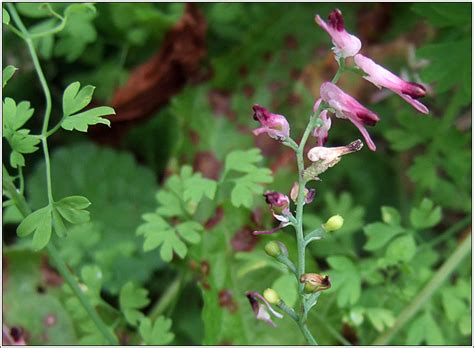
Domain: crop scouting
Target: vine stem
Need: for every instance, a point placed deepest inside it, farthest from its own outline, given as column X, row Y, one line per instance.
column 301, row 244
column 425, row 294
column 24, row 207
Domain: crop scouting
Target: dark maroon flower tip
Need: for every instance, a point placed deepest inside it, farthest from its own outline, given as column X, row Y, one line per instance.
column 259, row 113
column 272, row 198
column 336, row 20
column 414, row 90
column 368, row 118
column 355, row 145
column 326, row 282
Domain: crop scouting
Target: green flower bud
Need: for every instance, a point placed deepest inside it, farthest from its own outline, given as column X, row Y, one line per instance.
column 334, row 223
column 272, row 249
column 271, row 296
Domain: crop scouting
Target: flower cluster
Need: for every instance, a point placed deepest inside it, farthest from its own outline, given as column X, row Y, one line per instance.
column 332, row 101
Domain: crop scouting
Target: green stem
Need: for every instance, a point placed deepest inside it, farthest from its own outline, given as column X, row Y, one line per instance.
column 307, row 334
column 61, row 267
column 425, row 294
column 450, row 231
column 167, row 298
column 333, row 331
column 23, row 206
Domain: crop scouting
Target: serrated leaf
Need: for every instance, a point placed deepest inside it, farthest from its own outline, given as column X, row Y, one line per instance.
column 10, row 69
column 426, row 215
column 76, row 98
column 379, row 234
column 72, row 209
column 157, row 333
column 23, row 142
column 131, row 299
column 83, row 120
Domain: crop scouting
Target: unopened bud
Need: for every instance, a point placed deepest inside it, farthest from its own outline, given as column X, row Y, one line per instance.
column 271, row 296
column 272, row 249
column 334, row 223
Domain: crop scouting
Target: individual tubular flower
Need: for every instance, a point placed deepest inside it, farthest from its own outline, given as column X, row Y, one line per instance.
column 324, row 158
column 280, row 206
column 262, row 308
column 321, row 133
column 315, row 282
column 347, row 107
column 308, row 193
column 381, row 77
column 276, row 126
column 345, row 44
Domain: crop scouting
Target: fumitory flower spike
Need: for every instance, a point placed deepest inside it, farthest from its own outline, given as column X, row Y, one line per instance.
column 262, row 308
column 276, row 126
column 345, row 44
column 381, row 77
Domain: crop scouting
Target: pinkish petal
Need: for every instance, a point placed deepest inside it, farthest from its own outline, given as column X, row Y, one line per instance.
column 365, row 134
column 415, row 103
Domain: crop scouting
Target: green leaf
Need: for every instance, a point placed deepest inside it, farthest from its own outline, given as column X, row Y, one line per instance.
column 15, row 116
column 92, row 277
column 287, row 288
column 72, row 209
column 33, row 221
column 10, row 69
column 83, row 120
column 391, row 216
column 189, row 231
column 42, row 231
column 401, row 249
column 249, row 185
column 416, row 331
column 58, row 224
column 453, row 306
column 22, row 142
column 170, row 204
column 197, row 187
column 379, row 234
column 426, row 215
column 433, row 333
column 345, row 278
column 380, row 318
column 76, row 98
column 157, row 333
column 131, row 299
column 242, row 161
column 17, row 159
column 5, row 20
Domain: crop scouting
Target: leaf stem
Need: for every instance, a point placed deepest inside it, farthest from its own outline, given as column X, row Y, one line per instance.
column 425, row 294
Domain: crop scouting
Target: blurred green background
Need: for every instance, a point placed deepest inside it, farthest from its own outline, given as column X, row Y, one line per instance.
column 182, row 79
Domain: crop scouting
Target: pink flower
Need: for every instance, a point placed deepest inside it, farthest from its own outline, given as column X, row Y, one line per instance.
column 262, row 308
column 276, row 126
column 381, row 77
column 345, row 44
column 321, row 133
column 332, row 155
column 347, row 107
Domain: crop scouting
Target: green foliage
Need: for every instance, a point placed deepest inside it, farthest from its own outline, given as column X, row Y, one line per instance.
column 426, row 215
column 131, row 299
column 246, row 186
column 76, row 99
column 9, row 70
column 38, row 222
column 346, row 278
column 156, row 333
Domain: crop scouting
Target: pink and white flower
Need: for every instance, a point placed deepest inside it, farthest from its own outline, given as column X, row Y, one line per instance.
column 280, row 206
column 308, row 193
column 276, row 126
column 381, row 77
column 345, row 106
column 345, row 44
column 262, row 308
column 321, row 133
